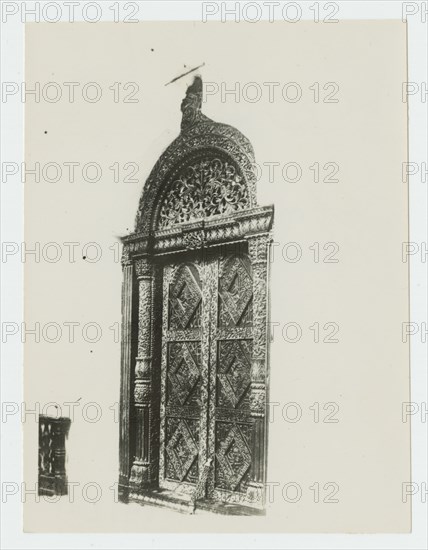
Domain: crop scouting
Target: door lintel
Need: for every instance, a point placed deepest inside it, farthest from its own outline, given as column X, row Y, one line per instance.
column 201, row 234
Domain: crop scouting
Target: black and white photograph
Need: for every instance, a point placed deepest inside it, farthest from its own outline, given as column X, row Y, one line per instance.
column 214, row 268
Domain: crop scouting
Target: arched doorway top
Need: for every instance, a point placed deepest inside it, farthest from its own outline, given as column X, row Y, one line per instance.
column 207, row 171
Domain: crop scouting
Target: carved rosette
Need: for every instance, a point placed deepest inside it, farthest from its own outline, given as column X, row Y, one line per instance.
column 193, row 240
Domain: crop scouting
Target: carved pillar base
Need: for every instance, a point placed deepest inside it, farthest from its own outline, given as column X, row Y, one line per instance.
column 142, row 468
column 140, row 476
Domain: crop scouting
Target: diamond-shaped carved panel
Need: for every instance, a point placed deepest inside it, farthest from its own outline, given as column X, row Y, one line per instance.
column 235, row 290
column 233, row 456
column 233, row 373
column 185, row 298
column 183, row 373
column 182, row 449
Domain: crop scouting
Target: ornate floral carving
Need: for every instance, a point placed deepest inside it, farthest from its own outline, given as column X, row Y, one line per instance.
column 205, row 188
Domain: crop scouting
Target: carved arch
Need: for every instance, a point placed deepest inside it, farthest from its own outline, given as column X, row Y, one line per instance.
column 220, row 139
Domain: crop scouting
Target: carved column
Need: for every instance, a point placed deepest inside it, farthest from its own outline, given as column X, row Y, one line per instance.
column 125, row 377
column 142, row 468
column 258, row 248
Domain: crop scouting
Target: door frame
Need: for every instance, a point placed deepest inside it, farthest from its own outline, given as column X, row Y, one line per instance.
column 141, row 346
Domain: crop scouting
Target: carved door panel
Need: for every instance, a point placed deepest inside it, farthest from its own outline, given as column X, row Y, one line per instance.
column 181, row 378
column 206, row 376
column 230, row 428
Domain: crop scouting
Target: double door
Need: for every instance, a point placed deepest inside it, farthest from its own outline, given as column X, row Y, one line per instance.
column 206, row 429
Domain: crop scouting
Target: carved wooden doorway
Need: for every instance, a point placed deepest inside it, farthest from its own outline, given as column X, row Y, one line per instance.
column 206, row 423
column 194, row 361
